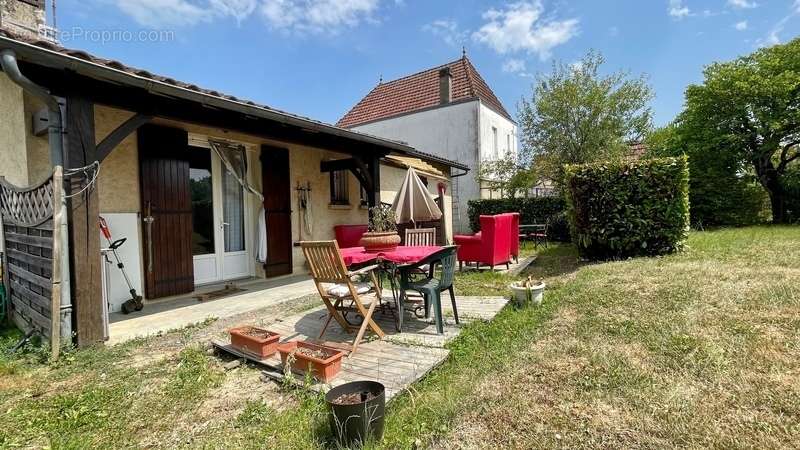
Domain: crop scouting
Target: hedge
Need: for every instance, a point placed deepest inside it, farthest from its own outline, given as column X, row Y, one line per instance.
column 531, row 211
column 628, row 208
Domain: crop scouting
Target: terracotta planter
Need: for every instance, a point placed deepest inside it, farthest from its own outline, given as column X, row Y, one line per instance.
column 256, row 341
column 323, row 365
column 375, row 242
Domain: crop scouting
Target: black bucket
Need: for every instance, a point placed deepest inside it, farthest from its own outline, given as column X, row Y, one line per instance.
column 360, row 422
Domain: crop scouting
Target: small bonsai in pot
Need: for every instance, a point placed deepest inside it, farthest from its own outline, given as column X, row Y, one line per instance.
column 382, row 233
column 528, row 292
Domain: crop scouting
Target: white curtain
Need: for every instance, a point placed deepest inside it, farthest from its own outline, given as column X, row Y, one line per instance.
column 234, row 158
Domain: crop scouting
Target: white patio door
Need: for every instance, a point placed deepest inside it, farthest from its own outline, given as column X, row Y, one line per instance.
column 220, row 244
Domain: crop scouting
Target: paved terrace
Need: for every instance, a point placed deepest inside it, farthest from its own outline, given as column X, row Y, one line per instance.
column 397, row 360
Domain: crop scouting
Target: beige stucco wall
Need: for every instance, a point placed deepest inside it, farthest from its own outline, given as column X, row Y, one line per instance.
column 38, row 147
column 392, row 178
column 13, row 157
column 118, row 183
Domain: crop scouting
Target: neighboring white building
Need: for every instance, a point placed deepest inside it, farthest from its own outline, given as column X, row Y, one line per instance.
column 448, row 111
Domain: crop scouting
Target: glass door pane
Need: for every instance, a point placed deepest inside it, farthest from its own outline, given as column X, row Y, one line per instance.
column 201, row 187
column 232, row 212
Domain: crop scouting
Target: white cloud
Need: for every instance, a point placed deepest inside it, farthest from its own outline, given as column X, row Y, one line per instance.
column 160, row 13
column 741, row 26
column 238, row 9
column 514, row 65
column 448, row 30
column 773, row 37
column 677, row 9
column 743, row 4
column 318, row 16
column 520, row 27
column 293, row 15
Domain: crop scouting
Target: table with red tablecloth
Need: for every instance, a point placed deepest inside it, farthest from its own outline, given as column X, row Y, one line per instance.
column 388, row 261
column 401, row 255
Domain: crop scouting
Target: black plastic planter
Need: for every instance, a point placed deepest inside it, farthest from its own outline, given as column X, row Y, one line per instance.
column 354, row 424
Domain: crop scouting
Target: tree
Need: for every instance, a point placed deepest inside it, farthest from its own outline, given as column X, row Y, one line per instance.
column 507, row 175
column 749, row 110
column 578, row 115
column 722, row 191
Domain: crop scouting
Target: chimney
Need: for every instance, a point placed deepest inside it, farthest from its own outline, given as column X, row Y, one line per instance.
column 445, row 86
column 23, row 17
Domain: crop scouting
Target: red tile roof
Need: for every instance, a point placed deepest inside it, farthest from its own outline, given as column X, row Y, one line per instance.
column 420, row 91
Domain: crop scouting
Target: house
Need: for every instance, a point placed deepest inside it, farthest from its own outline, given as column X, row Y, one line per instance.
column 448, row 111
column 189, row 176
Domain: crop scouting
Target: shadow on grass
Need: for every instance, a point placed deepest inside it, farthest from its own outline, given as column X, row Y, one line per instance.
column 553, row 261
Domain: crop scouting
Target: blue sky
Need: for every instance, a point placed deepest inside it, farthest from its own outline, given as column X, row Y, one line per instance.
column 319, row 57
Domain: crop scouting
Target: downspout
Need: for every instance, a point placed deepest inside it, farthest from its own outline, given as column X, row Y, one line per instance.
column 55, row 129
column 8, row 62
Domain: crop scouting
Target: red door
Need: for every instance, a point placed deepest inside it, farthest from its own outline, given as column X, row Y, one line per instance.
column 278, row 211
column 166, row 211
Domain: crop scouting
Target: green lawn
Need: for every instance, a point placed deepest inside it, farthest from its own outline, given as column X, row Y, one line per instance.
column 693, row 350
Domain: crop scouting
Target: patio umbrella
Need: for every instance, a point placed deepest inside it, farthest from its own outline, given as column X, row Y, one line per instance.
column 413, row 202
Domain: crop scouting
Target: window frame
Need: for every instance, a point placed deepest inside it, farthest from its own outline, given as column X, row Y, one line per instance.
column 339, row 198
column 495, row 144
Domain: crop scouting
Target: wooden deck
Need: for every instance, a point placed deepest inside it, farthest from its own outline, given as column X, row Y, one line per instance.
column 397, row 360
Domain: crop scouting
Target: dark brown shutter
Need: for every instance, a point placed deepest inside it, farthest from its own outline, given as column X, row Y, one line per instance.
column 278, row 210
column 166, row 198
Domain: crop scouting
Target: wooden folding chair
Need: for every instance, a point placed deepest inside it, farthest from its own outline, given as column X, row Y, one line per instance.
column 420, row 237
column 335, row 285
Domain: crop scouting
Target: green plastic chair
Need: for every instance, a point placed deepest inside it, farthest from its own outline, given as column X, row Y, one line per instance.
column 431, row 288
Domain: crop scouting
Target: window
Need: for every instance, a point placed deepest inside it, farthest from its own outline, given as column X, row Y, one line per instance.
column 362, row 195
column 495, row 147
column 508, row 143
column 339, row 194
column 202, row 201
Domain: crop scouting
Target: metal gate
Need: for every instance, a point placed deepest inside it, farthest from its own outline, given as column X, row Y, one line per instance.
column 32, row 251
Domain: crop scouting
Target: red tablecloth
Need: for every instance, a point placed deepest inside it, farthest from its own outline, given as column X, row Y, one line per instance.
column 401, row 255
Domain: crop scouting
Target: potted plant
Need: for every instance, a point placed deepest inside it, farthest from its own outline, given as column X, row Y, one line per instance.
column 528, row 292
column 357, row 412
column 382, row 233
column 257, row 341
column 323, row 363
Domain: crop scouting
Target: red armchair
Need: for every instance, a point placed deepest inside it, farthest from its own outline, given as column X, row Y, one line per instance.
column 349, row 235
column 491, row 246
column 514, row 235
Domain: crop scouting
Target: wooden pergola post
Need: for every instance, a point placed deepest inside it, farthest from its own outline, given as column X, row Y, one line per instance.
column 83, row 211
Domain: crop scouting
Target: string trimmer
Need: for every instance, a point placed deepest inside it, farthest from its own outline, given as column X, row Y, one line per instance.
column 135, row 302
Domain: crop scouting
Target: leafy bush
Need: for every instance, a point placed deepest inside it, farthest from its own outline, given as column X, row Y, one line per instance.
column 531, row 210
column 558, row 227
column 628, row 208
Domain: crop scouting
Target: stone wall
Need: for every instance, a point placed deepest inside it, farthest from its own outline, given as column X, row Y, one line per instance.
column 22, row 17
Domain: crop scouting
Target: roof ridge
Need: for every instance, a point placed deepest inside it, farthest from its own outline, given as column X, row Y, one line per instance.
column 430, row 69
column 465, row 62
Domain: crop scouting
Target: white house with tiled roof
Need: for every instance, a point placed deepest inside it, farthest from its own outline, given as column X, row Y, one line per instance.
column 448, row 111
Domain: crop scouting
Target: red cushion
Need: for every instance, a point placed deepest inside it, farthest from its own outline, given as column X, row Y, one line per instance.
column 349, row 235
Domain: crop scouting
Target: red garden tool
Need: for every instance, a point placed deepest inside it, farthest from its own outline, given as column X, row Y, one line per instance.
column 135, row 302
